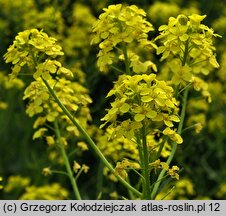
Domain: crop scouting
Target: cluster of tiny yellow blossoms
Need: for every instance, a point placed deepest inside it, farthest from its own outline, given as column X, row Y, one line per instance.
column 172, row 172
column 48, row 110
column 52, row 191
column 125, row 164
column 142, row 102
column 180, row 190
column 188, row 44
column 15, row 182
column 77, row 168
column 30, row 192
column 29, row 49
column 38, row 52
column 7, row 84
column 187, row 34
column 117, row 28
column 116, row 149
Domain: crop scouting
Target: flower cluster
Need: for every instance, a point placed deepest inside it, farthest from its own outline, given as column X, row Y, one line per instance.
column 52, row 191
column 17, row 181
column 142, row 101
column 41, row 103
column 119, row 149
column 122, row 166
column 172, row 172
column 30, row 192
column 181, row 190
column 118, row 27
column 29, row 49
column 37, row 51
column 187, row 34
column 189, row 45
column 6, row 84
column 116, row 149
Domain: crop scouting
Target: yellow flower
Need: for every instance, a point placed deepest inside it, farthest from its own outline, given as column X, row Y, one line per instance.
column 173, row 135
column 124, row 165
column 28, row 48
column 114, row 195
column 76, row 167
column 1, row 187
column 74, row 96
column 196, row 19
column 156, row 164
column 118, row 26
column 200, row 85
column 188, row 46
column 198, row 127
column 83, row 146
column 50, row 140
column 85, row 168
column 173, row 172
column 142, row 100
column 14, row 182
column 46, row 171
column 53, row 191
column 118, row 148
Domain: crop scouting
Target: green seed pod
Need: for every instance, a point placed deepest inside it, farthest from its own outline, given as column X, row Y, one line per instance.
column 182, row 19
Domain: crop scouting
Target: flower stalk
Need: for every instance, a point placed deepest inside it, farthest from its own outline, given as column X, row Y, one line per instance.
column 89, row 140
column 174, row 148
column 66, row 162
column 146, row 170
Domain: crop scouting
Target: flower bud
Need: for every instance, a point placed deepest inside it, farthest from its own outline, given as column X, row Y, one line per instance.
column 182, row 19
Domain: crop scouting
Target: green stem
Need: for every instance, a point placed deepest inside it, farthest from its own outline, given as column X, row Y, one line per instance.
column 174, row 148
column 66, row 162
column 89, row 140
column 99, row 186
column 117, row 69
column 180, row 126
column 139, row 145
column 78, row 174
column 59, row 172
column 188, row 128
column 160, row 149
column 146, row 170
column 186, row 50
column 168, row 193
column 131, row 195
column 127, row 62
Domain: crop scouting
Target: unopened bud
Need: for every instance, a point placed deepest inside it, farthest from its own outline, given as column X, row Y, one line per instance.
column 182, row 19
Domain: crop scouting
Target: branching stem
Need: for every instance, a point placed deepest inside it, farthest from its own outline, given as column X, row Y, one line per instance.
column 90, row 141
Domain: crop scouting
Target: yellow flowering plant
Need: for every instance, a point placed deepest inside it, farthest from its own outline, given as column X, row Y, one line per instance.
column 143, row 105
column 22, row 188
column 117, row 31
column 144, row 122
column 35, row 53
